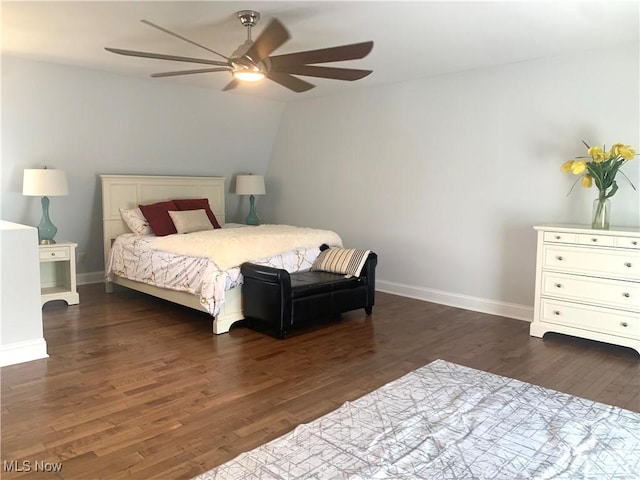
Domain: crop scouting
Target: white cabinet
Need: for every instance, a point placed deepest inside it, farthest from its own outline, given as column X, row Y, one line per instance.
column 58, row 273
column 21, row 337
column 588, row 284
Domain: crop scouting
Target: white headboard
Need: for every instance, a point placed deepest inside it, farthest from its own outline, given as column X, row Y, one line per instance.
column 129, row 191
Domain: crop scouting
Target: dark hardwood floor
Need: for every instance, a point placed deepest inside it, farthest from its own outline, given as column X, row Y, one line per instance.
column 136, row 387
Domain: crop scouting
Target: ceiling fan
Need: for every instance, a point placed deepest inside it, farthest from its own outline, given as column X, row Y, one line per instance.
column 251, row 61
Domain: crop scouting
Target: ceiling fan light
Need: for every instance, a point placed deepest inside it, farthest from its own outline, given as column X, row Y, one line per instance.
column 247, row 75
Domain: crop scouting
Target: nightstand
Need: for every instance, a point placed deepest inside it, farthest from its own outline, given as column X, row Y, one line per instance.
column 58, row 273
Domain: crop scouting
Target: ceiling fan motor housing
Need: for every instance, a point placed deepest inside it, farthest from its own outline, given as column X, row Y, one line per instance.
column 244, row 67
column 248, row 18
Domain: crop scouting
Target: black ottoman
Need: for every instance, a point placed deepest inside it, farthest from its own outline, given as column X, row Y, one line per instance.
column 279, row 300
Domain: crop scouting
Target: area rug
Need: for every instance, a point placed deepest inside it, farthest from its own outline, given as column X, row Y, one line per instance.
column 445, row 421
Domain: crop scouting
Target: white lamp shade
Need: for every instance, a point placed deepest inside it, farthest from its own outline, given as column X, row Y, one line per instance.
column 44, row 182
column 250, row 185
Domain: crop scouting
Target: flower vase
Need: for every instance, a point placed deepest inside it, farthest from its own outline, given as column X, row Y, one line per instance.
column 601, row 214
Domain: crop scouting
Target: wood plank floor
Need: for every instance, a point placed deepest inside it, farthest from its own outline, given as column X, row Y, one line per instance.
column 139, row 388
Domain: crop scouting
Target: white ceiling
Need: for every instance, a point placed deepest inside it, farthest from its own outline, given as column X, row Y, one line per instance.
column 411, row 39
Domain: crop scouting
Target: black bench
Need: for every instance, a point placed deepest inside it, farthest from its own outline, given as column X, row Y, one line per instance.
column 279, row 300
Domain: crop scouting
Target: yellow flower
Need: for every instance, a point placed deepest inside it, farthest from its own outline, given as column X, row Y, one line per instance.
column 615, row 149
column 600, row 168
column 596, row 153
column 566, row 166
column 625, row 151
column 578, row 167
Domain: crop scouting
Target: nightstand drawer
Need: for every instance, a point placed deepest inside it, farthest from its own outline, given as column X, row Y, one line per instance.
column 53, row 254
column 615, row 322
column 605, row 263
column 611, row 293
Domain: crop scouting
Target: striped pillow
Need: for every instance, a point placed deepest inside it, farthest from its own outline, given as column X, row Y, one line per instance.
column 348, row 261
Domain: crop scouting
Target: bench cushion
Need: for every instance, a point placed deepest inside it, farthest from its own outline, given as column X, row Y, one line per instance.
column 312, row 283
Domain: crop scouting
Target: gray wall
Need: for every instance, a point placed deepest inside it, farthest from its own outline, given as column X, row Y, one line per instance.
column 87, row 123
column 445, row 177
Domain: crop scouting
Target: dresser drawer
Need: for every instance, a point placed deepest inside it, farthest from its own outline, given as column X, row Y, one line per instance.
column 595, row 319
column 559, row 237
column 607, row 263
column 608, row 293
column 53, row 254
column 628, row 242
column 597, row 240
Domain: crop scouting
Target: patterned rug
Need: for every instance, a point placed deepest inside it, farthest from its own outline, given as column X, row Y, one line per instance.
column 446, row 421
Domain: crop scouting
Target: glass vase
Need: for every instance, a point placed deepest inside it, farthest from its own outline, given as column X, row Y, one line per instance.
column 601, row 214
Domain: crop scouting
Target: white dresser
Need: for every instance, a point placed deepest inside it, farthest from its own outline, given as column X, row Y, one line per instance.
column 588, row 284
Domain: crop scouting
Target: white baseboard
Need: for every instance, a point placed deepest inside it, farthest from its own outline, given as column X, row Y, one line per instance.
column 493, row 307
column 90, row 277
column 477, row 304
column 19, row 352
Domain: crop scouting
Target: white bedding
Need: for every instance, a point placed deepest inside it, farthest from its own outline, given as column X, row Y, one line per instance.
column 133, row 257
column 231, row 247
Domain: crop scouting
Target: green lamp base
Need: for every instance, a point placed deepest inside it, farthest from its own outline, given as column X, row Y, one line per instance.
column 252, row 218
column 46, row 229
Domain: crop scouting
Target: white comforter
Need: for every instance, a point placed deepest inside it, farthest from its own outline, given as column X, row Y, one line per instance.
column 134, row 257
column 232, row 247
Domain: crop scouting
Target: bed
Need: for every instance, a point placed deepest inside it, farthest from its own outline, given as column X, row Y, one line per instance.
column 129, row 191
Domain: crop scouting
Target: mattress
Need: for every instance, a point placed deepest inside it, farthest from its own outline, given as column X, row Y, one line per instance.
column 132, row 257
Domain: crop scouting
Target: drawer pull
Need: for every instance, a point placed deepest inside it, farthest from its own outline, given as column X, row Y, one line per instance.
column 594, row 239
column 558, row 237
column 556, row 312
column 626, row 295
column 558, row 285
column 634, row 242
column 53, row 254
column 560, row 258
column 624, row 324
column 628, row 264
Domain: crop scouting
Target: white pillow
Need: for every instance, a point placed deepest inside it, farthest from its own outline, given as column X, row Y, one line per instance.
column 135, row 220
column 187, row 221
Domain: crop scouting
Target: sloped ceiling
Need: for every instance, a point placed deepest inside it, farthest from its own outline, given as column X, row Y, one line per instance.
column 412, row 39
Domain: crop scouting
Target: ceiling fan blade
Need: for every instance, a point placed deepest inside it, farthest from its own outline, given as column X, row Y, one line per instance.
column 353, row 51
column 189, row 72
column 231, row 85
column 161, row 56
column 290, row 82
column 349, row 74
column 162, row 29
column 271, row 38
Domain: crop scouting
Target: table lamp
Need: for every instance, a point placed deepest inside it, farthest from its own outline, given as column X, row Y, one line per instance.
column 45, row 183
column 250, row 185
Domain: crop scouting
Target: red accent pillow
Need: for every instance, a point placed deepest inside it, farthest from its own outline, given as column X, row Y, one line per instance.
column 157, row 214
column 198, row 204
